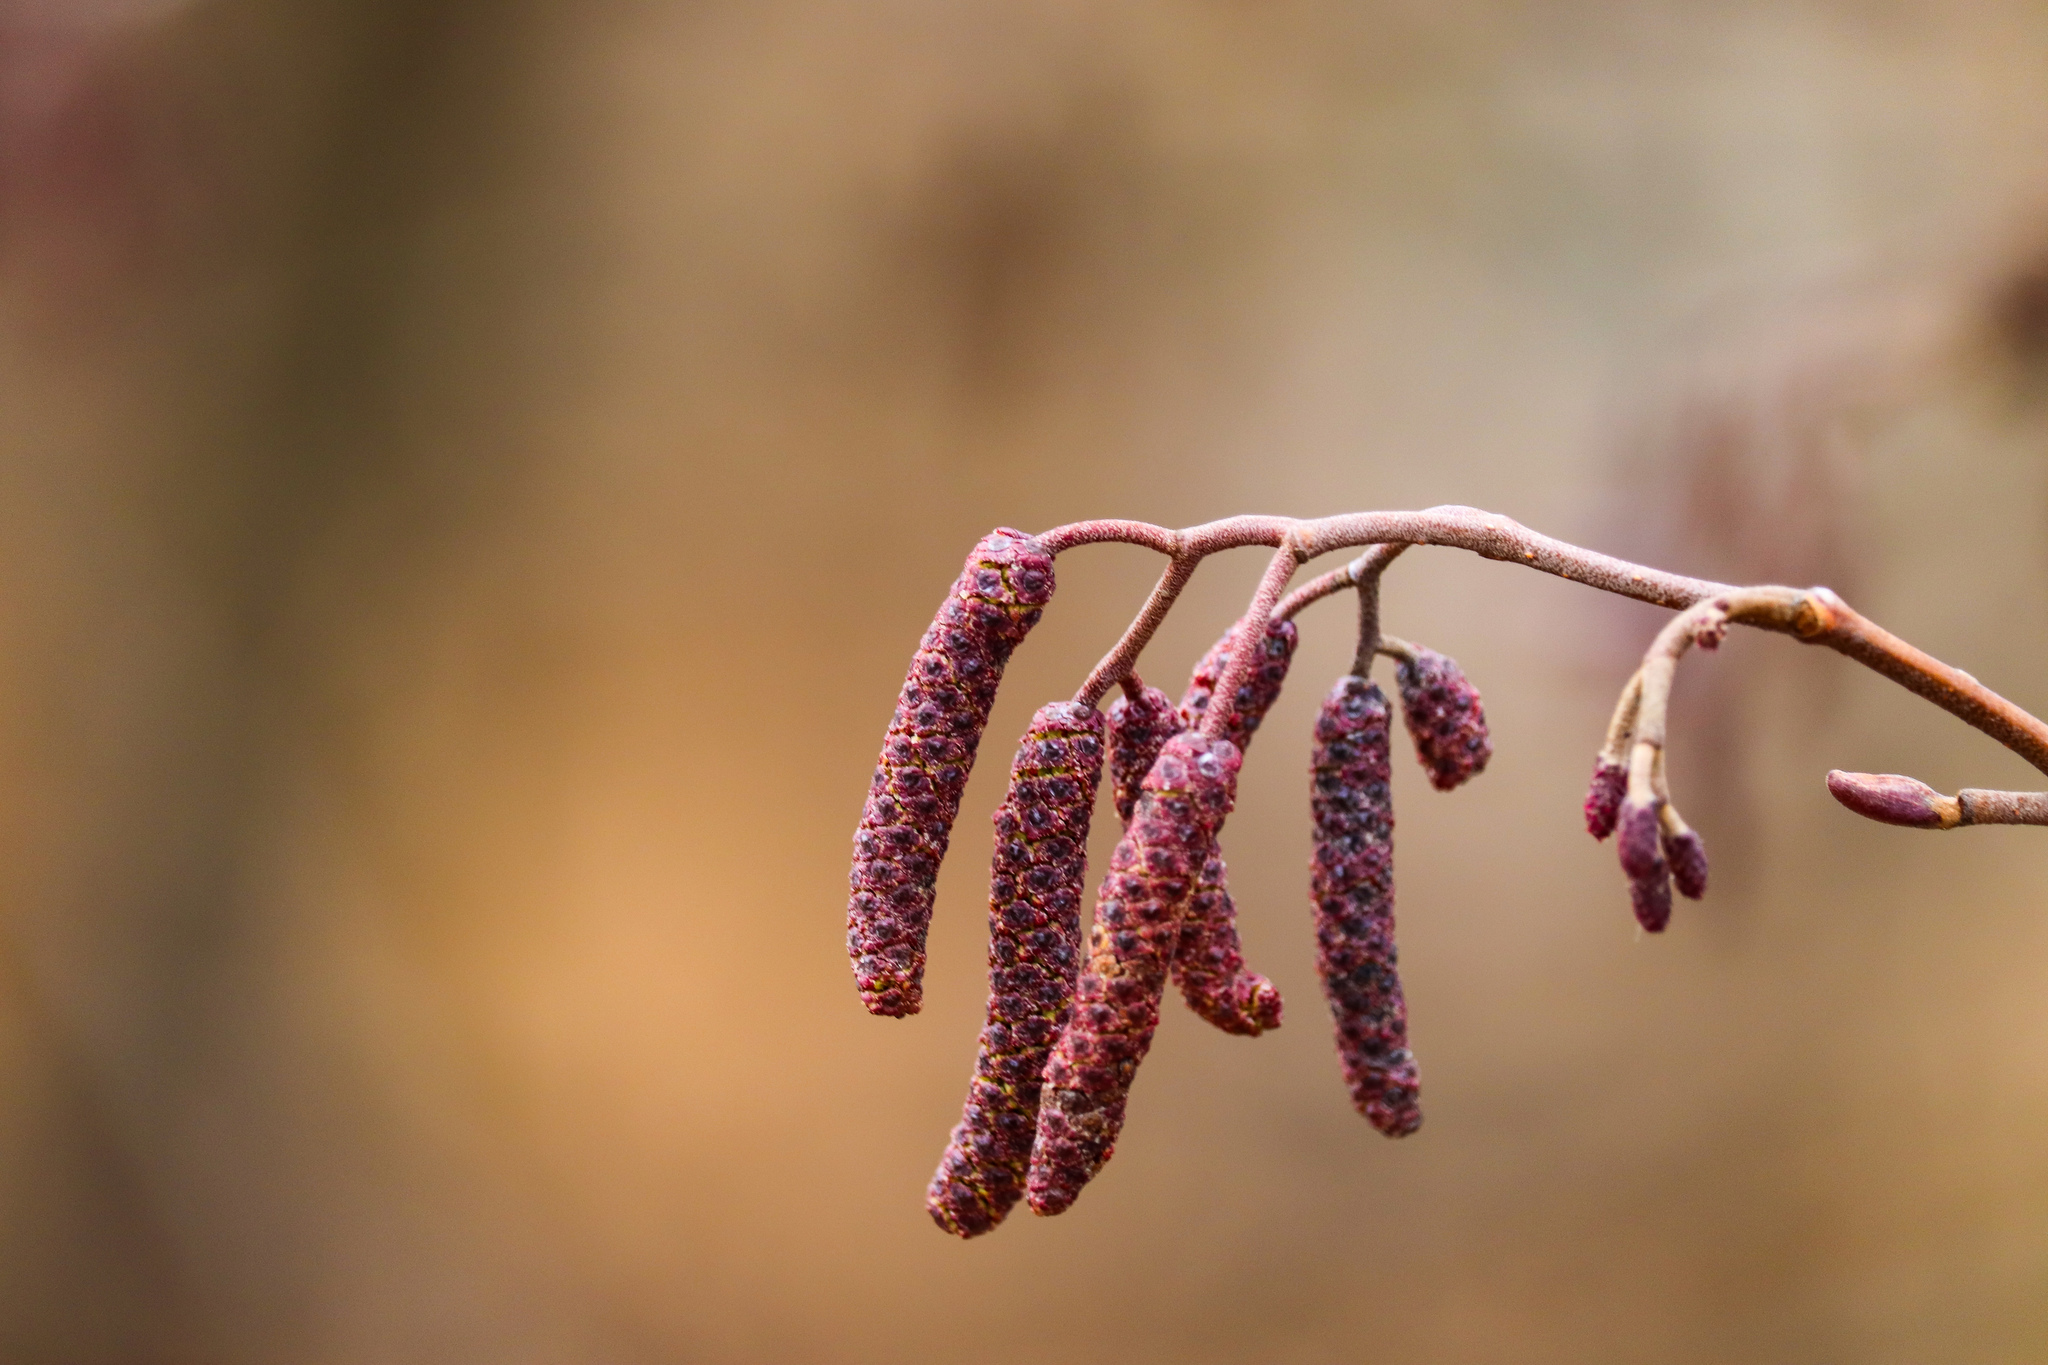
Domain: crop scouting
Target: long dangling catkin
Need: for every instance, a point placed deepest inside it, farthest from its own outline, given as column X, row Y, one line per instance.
column 1209, row 966
column 925, row 760
column 1034, row 915
column 1137, row 925
column 1260, row 688
column 1352, row 881
column 1444, row 717
column 1139, row 727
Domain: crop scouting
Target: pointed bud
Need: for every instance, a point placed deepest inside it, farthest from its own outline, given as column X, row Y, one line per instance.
column 1895, row 800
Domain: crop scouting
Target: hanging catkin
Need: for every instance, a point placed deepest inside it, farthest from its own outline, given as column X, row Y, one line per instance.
column 1209, row 963
column 1444, row 717
column 1352, row 880
column 1642, row 859
column 1137, row 925
column 1139, row 726
column 925, row 760
column 1255, row 696
column 1603, row 796
column 1034, row 914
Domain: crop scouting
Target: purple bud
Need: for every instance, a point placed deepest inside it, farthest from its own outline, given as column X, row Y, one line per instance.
column 1890, row 798
column 1687, row 854
column 1642, row 858
column 1640, row 840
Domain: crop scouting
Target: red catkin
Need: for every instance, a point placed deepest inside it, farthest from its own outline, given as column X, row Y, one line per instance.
column 1642, row 858
column 1139, row 727
column 1209, row 964
column 1138, row 916
column 1444, row 717
column 925, row 760
column 1686, row 852
column 1603, row 797
column 1034, row 914
column 1259, row 690
column 1352, row 884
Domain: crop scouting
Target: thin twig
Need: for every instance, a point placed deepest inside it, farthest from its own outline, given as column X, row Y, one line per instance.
column 1119, row 661
column 1814, row 615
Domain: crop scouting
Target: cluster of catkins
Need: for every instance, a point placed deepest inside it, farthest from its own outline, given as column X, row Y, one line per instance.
column 1067, row 1023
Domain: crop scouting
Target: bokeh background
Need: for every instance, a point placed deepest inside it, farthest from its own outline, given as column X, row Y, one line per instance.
column 472, row 473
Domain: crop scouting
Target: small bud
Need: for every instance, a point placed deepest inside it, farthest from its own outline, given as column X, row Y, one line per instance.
column 1686, row 852
column 1259, row 690
column 1895, row 800
column 1352, row 885
column 1034, row 915
column 926, row 756
column 1642, row 858
column 1138, row 918
column 1445, row 719
column 1603, row 797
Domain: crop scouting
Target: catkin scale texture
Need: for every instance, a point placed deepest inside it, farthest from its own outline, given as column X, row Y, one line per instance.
column 1138, row 916
column 1352, row 884
column 1444, row 718
column 926, row 756
column 1208, row 966
column 1138, row 729
column 1259, row 690
column 1034, row 911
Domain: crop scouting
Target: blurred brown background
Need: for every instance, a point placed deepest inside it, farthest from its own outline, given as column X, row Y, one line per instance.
column 474, row 474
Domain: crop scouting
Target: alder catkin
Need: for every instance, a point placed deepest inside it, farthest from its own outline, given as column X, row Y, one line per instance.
column 1444, row 717
column 1138, row 917
column 1352, row 883
column 1034, row 913
column 1642, row 858
column 925, row 760
column 1138, row 729
column 1209, row 966
column 1255, row 696
column 1686, row 852
column 1209, row 963
column 1603, row 797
